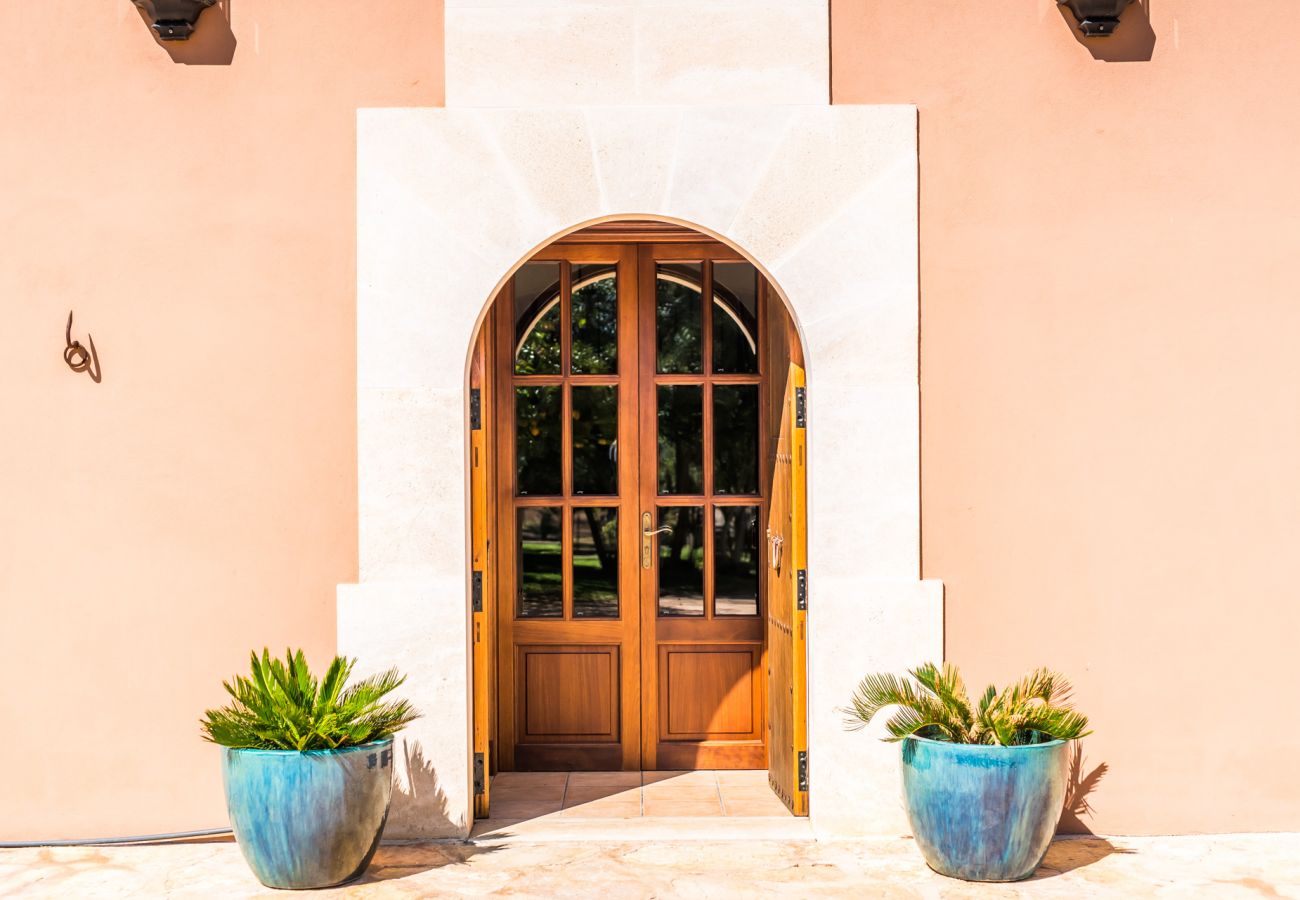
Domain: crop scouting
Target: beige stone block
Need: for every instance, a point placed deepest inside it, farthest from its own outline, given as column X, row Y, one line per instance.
column 826, row 161
column 551, row 171
column 863, row 472
column 858, row 626
column 769, row 53
column 633, row 148
column 535, row 55
column 720, row 155
column 411, row 483
column 419, row 627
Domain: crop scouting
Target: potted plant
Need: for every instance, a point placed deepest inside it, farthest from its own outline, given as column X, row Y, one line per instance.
column 984, row 783
column 307, row 767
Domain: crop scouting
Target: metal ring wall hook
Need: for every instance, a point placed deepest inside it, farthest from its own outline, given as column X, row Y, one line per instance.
column 77, row 357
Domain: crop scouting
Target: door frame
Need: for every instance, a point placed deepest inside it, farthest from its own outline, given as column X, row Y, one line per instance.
column 485, row 501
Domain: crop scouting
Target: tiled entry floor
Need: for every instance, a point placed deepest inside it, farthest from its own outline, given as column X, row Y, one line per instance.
column 628, row 795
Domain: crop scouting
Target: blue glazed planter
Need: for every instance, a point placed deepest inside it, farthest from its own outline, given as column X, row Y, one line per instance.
column 983, row 813
column 308, row 820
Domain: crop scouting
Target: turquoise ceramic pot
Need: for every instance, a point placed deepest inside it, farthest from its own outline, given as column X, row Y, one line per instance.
column 308, row 820
column 983, row 813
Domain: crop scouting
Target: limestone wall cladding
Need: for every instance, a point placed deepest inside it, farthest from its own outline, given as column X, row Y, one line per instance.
column 637, row 52
column 823, row 198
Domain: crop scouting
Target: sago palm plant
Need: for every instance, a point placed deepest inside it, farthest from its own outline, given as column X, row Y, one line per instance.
column 281, row 706
column 934, row 704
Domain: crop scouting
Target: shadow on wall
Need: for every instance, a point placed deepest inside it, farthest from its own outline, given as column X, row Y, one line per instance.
column 1077, row 789
column 419, row 804
column 1133, row 41
column 213, row 41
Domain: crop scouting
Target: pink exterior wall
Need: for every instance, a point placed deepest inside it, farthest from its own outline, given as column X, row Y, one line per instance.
column 1109, row 371
column 200, row 219
column 1109, row 408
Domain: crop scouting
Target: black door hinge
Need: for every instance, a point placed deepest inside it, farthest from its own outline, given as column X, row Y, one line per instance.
column 480, row 787
column 800, row 407
column 475, row 409
column 476, row 592
column 801, row 588
column 803, row 770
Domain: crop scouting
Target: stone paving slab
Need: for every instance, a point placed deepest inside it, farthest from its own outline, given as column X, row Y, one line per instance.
column 1232, row 866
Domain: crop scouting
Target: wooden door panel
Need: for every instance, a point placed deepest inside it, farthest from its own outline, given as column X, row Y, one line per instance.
column 709, row 692
column 568, row 694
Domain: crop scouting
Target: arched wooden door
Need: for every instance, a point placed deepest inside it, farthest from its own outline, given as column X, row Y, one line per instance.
column 633, row 447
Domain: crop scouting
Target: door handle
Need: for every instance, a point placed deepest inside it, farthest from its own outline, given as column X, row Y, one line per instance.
column 776, row 547
column 648, row 535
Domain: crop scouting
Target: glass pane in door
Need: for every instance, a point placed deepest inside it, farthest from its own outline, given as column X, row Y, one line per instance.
column 735, row 560
column 595, row 562
column 537, row 319
column 735, row 439
column 537, row 440
column 735, row 318
column 593, row 311
column 538, row 566
column 681, row 438
column 678, row 329
column 681, row 561
column 595, row 439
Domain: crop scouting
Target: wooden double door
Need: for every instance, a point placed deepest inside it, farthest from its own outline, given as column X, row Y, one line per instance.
column 635, row 426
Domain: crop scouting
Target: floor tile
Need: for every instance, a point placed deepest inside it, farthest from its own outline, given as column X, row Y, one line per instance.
column 521, row 779
column 683, row 808
column 769, row 806
column 625, row 779
column 587, row 793
column 547, row 791
column 523, row 809
column 672, row 790
column 741, row 777
column 703, row 776
column 608, row 808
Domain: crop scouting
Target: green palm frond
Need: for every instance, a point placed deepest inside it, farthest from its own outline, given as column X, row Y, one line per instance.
column 282, row 706
column 933, row 703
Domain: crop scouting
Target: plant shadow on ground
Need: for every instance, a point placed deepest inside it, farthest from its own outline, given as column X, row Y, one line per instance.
column 419, row 805
column 1080, row 847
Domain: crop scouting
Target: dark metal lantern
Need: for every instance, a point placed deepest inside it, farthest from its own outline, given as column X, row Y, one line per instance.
column 173, row 20
column 1096, row 18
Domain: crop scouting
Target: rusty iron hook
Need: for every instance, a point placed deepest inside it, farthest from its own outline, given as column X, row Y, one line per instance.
column 77, row 357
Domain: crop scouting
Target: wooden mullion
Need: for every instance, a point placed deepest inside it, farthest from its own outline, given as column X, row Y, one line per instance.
column 735, row 379
column 566, row 309
column 682, row 378
column 537, row 380
column 566, row 439
column 530, row 501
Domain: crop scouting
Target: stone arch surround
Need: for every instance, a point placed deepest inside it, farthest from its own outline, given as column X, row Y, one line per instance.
column 823, row 198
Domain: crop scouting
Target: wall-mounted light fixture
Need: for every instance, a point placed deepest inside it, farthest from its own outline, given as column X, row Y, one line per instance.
column 173, row 20
column 1096, row 18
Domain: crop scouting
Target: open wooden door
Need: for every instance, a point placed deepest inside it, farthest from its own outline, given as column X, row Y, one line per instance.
column 787, row 577
column 481, row 580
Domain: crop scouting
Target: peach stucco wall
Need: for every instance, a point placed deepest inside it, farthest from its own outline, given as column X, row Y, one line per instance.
column 200, row 219
column 1109, row 373
column 1109, row 401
